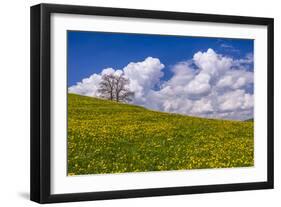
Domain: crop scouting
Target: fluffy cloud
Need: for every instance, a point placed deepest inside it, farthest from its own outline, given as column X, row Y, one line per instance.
column 211, row 63
column 235, row 79
column 200, row 85
column 87, row 87
column 209, row 85
column 143, row 76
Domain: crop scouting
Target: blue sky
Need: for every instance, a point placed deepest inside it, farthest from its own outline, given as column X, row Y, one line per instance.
column 90, row 52
column 197, row 76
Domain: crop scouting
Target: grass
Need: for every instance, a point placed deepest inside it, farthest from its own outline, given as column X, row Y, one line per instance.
column 109, row 137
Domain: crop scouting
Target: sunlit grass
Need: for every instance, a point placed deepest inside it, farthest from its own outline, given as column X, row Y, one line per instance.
column 110, row 137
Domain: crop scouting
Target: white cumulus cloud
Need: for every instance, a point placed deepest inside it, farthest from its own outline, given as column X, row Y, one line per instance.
column 208, row 85
column 144, row 76
column 87, row 87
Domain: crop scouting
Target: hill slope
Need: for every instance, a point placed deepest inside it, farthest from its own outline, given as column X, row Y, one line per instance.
column 110, row 137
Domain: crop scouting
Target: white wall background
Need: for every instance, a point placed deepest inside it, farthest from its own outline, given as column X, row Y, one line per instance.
column 14, row 104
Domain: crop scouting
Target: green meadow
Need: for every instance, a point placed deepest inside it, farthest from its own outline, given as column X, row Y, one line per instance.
column 109, row 137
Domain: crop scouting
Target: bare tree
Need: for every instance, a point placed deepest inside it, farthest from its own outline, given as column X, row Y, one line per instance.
column 115, row 87
column 106, row 87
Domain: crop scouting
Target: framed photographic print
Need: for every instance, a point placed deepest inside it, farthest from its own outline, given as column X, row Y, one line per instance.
column 133, row 103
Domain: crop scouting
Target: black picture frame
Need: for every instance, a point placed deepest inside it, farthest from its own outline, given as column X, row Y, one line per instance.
column 41, row 99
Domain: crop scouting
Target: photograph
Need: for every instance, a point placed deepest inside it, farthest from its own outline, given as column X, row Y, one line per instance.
column 131, row 103
column 153, row 102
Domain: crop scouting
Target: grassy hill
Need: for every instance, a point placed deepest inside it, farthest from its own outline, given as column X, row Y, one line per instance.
column 109, row 137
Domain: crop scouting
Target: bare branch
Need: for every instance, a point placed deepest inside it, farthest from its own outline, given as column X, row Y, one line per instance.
column 114, row 87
